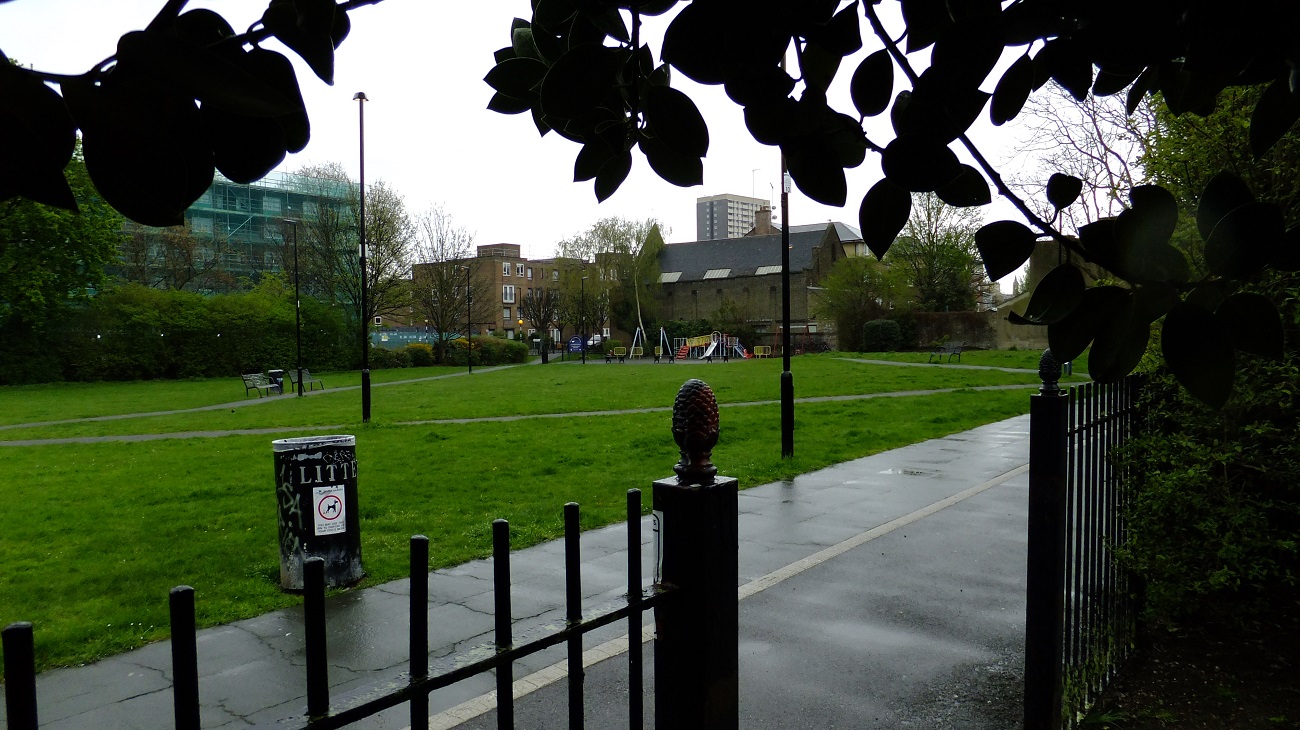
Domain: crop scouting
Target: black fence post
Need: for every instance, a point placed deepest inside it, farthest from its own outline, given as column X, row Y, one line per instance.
column 318, row 678
column 696, row 647
column 185, row 658
column 1045, row 564
column 20, row 676
column 419, row 639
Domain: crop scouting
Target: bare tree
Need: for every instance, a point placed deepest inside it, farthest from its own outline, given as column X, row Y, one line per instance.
column 1094, row 140
column 541, row 307
column 440, row 282
column 330, row 239
column 173, row 258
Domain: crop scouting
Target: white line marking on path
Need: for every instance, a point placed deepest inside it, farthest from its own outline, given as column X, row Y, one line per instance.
column 485, row 703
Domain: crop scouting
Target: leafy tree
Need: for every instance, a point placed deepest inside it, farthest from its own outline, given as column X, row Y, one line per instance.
column 858, row 289
column 937, row 256
column 630, row 250
column 440, row 282
column 50, row 257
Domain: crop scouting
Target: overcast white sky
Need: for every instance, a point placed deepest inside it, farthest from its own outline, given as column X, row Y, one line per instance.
column 429, row 134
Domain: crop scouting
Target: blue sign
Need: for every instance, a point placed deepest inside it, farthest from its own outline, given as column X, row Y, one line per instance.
column 575, row 344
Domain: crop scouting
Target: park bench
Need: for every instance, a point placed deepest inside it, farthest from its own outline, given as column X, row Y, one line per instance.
column 307, row 380
column 951, row 349
column 616, row 352
column 258, row 382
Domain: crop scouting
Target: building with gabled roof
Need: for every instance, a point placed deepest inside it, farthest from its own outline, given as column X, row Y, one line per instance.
column 698, row 277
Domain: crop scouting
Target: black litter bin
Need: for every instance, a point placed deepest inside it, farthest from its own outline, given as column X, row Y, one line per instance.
column 316, row 496
column 277, row 377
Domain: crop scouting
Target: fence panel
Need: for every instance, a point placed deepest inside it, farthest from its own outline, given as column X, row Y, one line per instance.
column 1080, row 609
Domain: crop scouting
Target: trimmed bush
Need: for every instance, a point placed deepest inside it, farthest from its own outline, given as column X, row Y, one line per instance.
column 420, row 354
column 382, row 358
column 881, row 335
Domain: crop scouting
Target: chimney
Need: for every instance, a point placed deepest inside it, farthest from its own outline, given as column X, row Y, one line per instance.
column 763, row 222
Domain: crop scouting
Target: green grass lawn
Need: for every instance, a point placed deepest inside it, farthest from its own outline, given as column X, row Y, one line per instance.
column 1027, row 359
column 94, row 535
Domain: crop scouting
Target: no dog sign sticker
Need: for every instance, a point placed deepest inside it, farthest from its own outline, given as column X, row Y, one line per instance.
column 329, row 510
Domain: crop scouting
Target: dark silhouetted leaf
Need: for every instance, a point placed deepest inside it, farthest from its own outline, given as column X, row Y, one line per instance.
column 591, row 158
column 819, row 67
column 1253, row 322
column 769, row 122
column 211, row 78
column 1004, row 246
column 884, row 211
column 1012, row 91
column 673, row 118
column 1198, row 351
column 1063, row 190
column 608, row 20
column 1287, row 257
column 841, row 35
column 1149, row 222
column 1117, row 348
column 966, row 190
column 503, row 54
column 898, row 112
column 966, row 53
column 502, row 104
column 1139, row 89
column 651, row 8
column 39, row 138
column 873, row 84
column 758, row 84
column 917, row 164
column 1245, row 240
column 1112, row 82
column 1153, row 301
column 1224, row 193
column 612, row 174
column 1277, row 111
column 143, row 146
column 244, row 149
column 846, row 140
column 578, row 81
column 1064, row 61
column 939, row 108
column 926, row 20
column 1056, row 295
column 695, row 44
column 678, row 169
column 523, row 44
column 1070, row 337
column 539, row 121
column 517, row 78
column 553, row 13
column 814, row 169
column 312, row 28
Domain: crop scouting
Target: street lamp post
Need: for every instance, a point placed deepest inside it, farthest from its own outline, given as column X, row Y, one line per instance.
column 582, row 316
column 365, row 273
column 297, row 305
column 469, row 323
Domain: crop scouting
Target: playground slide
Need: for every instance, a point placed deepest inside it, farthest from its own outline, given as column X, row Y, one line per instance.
column 709, row 352
column 740, row 350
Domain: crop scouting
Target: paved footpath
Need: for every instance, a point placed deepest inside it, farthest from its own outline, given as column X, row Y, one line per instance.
column 886, row 592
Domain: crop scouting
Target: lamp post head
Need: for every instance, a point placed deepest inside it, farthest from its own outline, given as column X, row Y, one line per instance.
column 359, row 96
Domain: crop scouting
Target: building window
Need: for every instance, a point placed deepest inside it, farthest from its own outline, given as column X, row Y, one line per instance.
column 505, row 314
column 201, row 225
column 510, row 334
column 379, row 321
column 519, row 269
column 508, row 294
column 605, row 332
column 530, row 273
column 505, row 269
column 555, row 275
column 271, row 206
